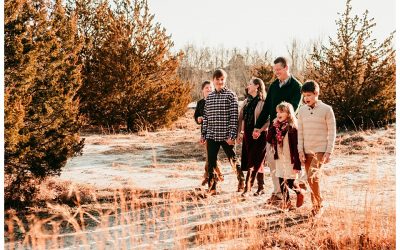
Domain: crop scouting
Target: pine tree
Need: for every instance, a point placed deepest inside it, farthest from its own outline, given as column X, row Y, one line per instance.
column 19, row 59
column 265, row 72
column 41, row 80
column 356, row 75
column 133, row 76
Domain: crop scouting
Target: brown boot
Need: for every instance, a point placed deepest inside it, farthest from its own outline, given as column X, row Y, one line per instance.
column 212, row 183
column 241, row 186
column 204, row 182
column 219, row 174
column 300, row 198
column 205, row 176
column 240, row 177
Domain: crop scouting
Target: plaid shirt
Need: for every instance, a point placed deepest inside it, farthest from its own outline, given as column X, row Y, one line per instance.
column 221, row 112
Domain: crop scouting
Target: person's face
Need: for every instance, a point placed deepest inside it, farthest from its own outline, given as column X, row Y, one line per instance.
column 219, row 83
column 252, row 89
column 281, row 72
column 310, row 98
column 207, row 90
column 281, row 115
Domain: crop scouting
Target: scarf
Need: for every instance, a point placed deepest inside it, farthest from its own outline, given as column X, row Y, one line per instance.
column 248, row 111
column 281, row 129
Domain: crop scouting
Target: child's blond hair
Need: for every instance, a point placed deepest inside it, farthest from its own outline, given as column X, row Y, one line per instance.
column 288, row 108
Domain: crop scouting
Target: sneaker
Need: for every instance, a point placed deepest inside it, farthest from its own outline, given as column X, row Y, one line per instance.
column 204, row 182
column 300, row 198
column 259, row 192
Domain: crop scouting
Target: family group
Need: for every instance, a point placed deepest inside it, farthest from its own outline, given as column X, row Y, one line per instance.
column 283, row 129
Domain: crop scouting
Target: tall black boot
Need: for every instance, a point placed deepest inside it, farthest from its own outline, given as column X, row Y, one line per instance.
column 247, row 186
column 260, row 182
column 249, row 181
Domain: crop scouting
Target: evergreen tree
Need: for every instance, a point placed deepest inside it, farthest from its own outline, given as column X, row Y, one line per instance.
column 41, row 80
column 265, row 72
column 133, row 76
column 356, row 75
column 19, row 70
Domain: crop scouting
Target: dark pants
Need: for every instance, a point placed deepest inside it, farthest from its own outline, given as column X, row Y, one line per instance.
column 212, row 154
column 285, row 183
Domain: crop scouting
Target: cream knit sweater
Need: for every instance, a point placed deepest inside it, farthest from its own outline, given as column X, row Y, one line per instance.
column 317, row 128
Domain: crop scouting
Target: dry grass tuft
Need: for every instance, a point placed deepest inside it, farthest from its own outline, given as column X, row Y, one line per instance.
column 138, row 218
column 71, row 215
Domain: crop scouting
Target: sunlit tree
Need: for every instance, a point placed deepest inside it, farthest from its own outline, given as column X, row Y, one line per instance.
column 131, row 76
column 356, row 74
column 41, row 80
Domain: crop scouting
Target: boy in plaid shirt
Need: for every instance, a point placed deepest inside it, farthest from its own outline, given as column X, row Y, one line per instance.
column 220, row 128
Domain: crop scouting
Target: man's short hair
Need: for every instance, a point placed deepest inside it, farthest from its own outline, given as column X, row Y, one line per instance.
column 281, row 60
column 310, row 86
column 218, row 73
column 204, row 84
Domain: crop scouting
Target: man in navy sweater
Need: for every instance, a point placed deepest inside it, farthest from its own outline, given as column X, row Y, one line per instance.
column 285, row 88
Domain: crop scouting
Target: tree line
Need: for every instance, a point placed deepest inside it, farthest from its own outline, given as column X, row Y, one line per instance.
column 82, row 62
column 357, row 74
column 92, row 62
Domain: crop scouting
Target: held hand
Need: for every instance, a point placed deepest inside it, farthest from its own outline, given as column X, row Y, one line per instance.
column 302, row 157
column 230, row 141
column 202, row 140
column 326, row 158
column 200, row 119
column 239, row 139
column 256, row 134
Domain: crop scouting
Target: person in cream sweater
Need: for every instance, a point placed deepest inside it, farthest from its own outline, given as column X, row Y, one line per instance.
column 316, row 135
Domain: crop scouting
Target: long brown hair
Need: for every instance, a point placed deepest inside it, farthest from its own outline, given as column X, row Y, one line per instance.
column 261, row 87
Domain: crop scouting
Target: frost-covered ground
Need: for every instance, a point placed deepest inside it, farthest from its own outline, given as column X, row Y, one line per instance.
column 361, row 173
column 168, row 160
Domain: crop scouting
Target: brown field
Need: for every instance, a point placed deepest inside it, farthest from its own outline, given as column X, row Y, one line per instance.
column 142, row 191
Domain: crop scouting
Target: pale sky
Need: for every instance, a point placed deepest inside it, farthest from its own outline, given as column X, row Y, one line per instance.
column 263, row 24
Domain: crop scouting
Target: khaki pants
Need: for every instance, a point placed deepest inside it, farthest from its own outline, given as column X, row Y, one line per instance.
column 313, row 168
